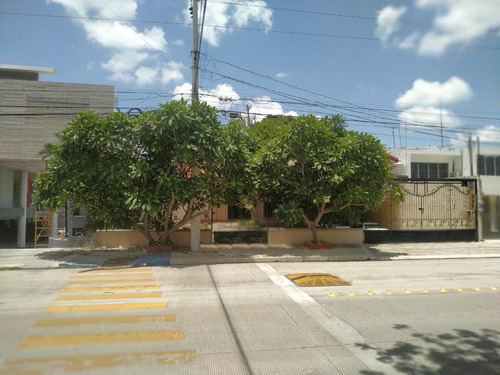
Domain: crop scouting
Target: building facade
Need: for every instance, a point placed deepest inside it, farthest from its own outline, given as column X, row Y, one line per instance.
column 31, row 114
column 476, row 161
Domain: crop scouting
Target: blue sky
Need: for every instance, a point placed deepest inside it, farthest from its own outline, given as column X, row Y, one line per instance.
column 390, row 67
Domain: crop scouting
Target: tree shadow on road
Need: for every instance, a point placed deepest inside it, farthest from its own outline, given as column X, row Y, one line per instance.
column 384, row 255
column 460, row 352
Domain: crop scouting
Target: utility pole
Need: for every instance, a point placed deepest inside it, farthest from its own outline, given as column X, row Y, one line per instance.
column 471, row 163
column 195, row 222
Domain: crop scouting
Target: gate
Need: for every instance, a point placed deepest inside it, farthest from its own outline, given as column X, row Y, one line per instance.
column 430, row 205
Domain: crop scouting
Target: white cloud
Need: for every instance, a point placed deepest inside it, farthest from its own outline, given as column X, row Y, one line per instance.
column 388, row 22
column 255, row 11
column 145, row 75
column 117, row 35
column 172, row 72
column 264, row 106
column 489, row 134
column 131, row 50
column 456, row 23
column 222, row 97
column 124, row 9
column 281, row 75
column 425, row 93
column 121, row 64
column 428, row 118
column 225, row 15
column 178, row 42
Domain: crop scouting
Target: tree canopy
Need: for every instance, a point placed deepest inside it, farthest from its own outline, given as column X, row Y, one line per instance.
column 142, row 171
column 316, row 166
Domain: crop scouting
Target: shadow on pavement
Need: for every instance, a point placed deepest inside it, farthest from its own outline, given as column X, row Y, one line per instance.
column 456, row 353
column 384, row 255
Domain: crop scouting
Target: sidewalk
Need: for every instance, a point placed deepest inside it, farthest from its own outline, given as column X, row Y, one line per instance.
column 240, row 253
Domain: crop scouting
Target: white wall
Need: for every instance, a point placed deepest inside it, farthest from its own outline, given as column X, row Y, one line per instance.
column 6, row 188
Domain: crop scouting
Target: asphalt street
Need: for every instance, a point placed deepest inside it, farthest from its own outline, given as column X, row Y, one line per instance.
column 392, row 317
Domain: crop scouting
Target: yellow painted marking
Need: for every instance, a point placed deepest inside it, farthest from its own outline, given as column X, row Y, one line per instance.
column 477, row 289
column 109, row 288
column 117, row 281
column 371, row 293
column 407, row 291
column 352, row 294
column 107, row 307
column 137, row 269
column 96, row 276
column 332, row 294
column 460, row 289
column 390, row 292
column 119, row 319
column 426, row 291
column 102, row 338
column 316, row 279
column 443, row 290
column 493, row 287
column 81, row 363
column 109, row 296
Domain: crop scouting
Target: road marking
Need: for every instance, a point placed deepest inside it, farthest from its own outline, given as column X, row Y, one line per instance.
column 339, row 329
column 460, row 289
column 118, row 270
column 371, row 293
column 352, row 294
column 96, row 276
column 123, row 281
column 91, row 362
column 390, row 292
column 427, row 291
column 102, row 338
column 333, row 294
column 407, row 291
column 443, row 290
column 493, row 287
column 107, row 307
column 109, row 288
column 477, row 289
column 83, row 297
column 119, row 319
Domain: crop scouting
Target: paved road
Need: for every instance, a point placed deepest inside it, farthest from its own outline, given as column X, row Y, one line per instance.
column 400, row 317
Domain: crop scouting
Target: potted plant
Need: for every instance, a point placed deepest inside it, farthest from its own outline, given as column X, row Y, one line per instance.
column 155, row 247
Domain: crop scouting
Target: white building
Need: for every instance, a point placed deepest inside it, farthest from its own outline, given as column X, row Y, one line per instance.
column 438, row 163
column 31, row 113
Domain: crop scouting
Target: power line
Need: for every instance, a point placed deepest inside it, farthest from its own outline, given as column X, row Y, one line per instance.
column 296, row 10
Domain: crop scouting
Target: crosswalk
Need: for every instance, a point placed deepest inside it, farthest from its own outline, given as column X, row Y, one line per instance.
column 101, row 321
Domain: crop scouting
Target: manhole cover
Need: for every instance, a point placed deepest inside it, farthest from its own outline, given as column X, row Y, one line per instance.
column 316, row 279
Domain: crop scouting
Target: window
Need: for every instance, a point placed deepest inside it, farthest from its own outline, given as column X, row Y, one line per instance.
column 488, row 165
column 429, row 170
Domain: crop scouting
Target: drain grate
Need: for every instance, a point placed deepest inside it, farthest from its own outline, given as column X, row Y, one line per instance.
column 316, row 279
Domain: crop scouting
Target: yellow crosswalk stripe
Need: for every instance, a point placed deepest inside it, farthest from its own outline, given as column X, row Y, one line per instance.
column 50, row 365
column 83, row 297
column 137, row 269
column 102, row 338
column 119, row 319
column 117, row 281
column 100, row 275
column 109, row 288
column 107, row 307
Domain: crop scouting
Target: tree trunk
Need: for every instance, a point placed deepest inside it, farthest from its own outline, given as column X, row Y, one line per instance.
column 314, row 231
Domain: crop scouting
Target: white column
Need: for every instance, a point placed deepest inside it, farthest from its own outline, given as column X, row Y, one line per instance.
column 54, row 225
column 21, row 221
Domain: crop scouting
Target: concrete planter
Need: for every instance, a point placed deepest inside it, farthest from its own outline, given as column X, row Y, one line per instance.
column 317, row 246
column 298, row 236
column 128, row 238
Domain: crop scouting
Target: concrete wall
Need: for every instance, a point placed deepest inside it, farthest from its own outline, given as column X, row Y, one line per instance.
column 41, row 110
column 297, row 236
column 125, row 238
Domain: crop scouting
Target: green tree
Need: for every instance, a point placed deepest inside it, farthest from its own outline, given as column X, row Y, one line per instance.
column 154, row 172
column 316, row 166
